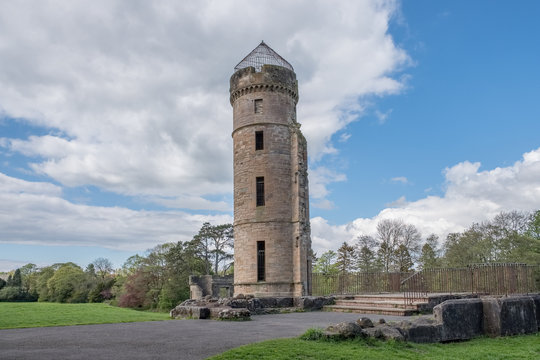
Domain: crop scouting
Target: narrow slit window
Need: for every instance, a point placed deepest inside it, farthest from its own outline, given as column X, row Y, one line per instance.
column 258, row 106
column 259, row 140
column 260, row 191
column 260, row 261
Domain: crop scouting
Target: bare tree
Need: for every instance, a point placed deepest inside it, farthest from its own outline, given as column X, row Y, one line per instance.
column 389, row 232
column 409, row 241
column 103, row 267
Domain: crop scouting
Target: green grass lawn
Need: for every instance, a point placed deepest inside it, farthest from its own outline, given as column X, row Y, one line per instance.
column 38, row 314
column 514, row 347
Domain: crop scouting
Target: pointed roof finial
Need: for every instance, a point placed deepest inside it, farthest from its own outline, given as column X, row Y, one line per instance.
column 262, row 55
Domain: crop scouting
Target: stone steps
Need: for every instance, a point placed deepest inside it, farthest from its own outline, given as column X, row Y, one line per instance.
column 370, row 310
column 378, row 303
column 383, row 304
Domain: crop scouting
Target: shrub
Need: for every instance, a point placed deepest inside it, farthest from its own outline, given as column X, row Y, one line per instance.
column 11, row 293
column 313, row 334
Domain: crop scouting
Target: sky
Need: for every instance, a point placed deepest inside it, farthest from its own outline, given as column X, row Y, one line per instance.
column 115, row 121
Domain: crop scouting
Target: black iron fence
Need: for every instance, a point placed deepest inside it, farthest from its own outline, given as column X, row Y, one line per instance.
column 493, row 279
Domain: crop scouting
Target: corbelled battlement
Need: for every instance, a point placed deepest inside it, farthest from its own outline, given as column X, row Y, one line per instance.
column 271, row 78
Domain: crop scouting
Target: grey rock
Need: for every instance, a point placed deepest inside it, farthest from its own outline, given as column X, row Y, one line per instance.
column 510, row 315
column 345, row 330
column 267, row 302
column 536, row 300
column 285, row 302
column 234, row 314
column 313, row 302
column 365, row 322
column 190, row 312
column 420, row 331
column 254, row 305
column 385, row 332
column 460, row 319
column 238, row 303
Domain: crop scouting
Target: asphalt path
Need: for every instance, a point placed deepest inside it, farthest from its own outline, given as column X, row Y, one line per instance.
column 173, row 339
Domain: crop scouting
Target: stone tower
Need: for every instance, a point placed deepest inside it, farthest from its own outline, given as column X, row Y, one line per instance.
column 272, row 249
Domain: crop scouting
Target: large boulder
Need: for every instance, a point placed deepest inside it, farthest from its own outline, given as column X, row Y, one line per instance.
column 536, row 300
column 345, row 330
column 460, row 319
column 421, row 330
column 384, row 332
column 313, row 302
column 365, row 322
column 510, row 315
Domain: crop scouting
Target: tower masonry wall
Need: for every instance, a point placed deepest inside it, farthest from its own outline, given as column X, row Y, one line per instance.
column 265, row 102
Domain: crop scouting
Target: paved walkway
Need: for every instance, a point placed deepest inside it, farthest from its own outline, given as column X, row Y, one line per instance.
column 174, row 339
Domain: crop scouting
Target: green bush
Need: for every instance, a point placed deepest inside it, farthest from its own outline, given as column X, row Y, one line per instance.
column 11, row 293
column 313, row 334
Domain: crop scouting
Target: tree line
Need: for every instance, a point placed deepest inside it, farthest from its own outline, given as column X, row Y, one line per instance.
column 156, row 280
column 399, row 247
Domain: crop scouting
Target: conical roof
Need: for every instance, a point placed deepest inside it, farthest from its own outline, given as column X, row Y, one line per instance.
column 262, row 55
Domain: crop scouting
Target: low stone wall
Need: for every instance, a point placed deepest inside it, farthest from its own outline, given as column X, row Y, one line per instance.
column 241, row 307
column 453, row 320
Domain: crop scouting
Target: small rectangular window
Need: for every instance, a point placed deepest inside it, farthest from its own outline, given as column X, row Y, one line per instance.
column 259, row 140
column 260, row 261
column 260, row 191
column 258, row 106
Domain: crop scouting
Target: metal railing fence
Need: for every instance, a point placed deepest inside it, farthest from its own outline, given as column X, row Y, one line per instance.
column 492, row 279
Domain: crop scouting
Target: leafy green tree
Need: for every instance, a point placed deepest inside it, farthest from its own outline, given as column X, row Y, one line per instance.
column 469, row 247
column 2, row 283
column 213, row 244
column 345, row 258
column 203, row 240
column 222, row 240
column 326, row 263
column 509, row 237
column 11, row 293
column 365, row 256
column 430, row 253
column 68, row 284
column 403, row 259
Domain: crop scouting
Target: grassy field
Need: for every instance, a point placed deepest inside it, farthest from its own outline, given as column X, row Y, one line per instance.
column 514, row 347
column 38, row 314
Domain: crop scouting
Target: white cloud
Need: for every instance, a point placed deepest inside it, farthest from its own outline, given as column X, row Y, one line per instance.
column 382, row 116
column 136, row 93
column 471, row 196
column 402, row 201
column 344, row 137
column 319, row 179
column 8, row 265
column 33, row 213
column 400, row 179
